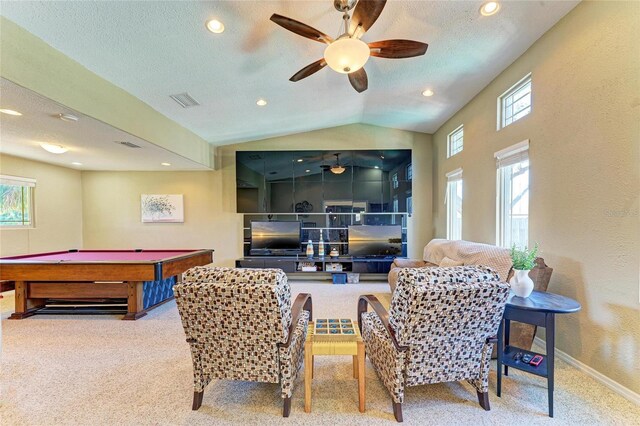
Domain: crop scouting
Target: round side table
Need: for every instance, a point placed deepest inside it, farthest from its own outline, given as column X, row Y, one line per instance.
column 539, row 309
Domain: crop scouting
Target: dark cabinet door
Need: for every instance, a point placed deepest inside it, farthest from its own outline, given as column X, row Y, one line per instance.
column 286, row 265
column 250, row 263
column 372, row 267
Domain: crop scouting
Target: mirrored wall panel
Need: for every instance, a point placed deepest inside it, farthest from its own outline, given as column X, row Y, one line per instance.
column 362, row 181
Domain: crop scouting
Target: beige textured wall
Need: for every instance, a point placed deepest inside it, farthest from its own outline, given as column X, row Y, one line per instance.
column 111, row 205
column 584, row 132
column 58, row 208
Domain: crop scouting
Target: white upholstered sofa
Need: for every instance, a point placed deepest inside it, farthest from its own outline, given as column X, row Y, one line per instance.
column 441, row 252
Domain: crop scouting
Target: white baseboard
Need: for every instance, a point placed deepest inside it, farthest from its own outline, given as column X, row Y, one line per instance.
column 611, row 384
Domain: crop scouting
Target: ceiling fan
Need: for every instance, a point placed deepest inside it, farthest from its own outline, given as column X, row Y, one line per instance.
column 336, row 169
column 347, row 54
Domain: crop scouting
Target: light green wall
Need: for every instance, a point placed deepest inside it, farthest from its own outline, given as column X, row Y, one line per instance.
column 211, row 220
column 58, row 208
column 30, row 62
column 584, row 132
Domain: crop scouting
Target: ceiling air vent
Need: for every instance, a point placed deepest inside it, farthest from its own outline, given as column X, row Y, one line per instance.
column 185, row 100
column 127, row 144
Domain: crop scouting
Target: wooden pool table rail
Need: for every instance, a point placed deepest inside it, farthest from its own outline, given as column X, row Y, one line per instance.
column 37, row 281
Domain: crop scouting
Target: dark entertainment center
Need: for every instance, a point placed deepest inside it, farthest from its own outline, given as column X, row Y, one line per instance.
column 358, row 202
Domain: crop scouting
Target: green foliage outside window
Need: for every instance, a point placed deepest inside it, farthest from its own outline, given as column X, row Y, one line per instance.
column 15, row 205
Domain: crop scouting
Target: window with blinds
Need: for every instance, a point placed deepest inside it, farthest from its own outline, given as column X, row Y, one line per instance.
column 515, row 103
column 512, row 222
column 16, row 201
column 455, row 141
column 454, row 205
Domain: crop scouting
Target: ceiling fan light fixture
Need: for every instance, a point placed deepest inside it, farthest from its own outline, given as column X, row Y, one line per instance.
column 347, row 55
column 337, row 169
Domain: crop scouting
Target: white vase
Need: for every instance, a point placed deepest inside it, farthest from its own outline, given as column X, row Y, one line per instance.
column 521, row 283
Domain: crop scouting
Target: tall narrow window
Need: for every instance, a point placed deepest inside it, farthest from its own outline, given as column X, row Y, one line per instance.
column 513, row 196
column 409, row 204
column 394, row 181
column 455, row 141
column 409, row 172
column 454, row 205
column 515, row 103
column 16, row 201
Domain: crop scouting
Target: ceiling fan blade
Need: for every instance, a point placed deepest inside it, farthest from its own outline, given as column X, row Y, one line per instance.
column 396, row 49
column 364, row 15
column 301, row 29
column 359, row 80
column 309, row 69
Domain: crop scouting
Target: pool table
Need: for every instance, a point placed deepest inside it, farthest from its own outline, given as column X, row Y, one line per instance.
column 144, row 278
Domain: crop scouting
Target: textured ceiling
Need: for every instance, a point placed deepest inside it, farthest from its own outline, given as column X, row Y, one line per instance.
column 90, row 142
column 154, row 49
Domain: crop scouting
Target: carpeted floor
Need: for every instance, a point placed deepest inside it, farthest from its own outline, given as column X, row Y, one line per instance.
column 92, row 370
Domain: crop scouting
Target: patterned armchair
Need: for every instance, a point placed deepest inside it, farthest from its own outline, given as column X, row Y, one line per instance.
column 441, row 328
column 240, row 325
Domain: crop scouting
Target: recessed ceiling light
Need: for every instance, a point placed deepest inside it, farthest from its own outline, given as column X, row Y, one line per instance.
column 261, row 102
column 75, row 163
column 427, row 93
column 54, row 149
column 67, row 117
column 165, row 164
column 300, row 160
column 215, row 26
column 489, row 8
column 10, row 112
column 376, row 167
column 307, row 171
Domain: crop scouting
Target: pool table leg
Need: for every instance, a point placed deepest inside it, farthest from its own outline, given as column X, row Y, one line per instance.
column 135, row 308
column 25, row 307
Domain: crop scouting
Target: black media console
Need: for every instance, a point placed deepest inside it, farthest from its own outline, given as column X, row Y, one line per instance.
column 367, row 267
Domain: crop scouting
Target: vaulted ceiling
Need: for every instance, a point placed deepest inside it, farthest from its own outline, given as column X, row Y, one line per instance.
column 155, row 49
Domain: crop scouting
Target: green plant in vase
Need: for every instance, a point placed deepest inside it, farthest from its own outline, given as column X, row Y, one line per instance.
column 523, row 261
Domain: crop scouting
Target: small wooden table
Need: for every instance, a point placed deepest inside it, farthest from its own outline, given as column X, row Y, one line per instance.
column 538, row 309
column 330, row 345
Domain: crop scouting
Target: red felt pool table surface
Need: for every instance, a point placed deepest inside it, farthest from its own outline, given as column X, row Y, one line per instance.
column 100, row 256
